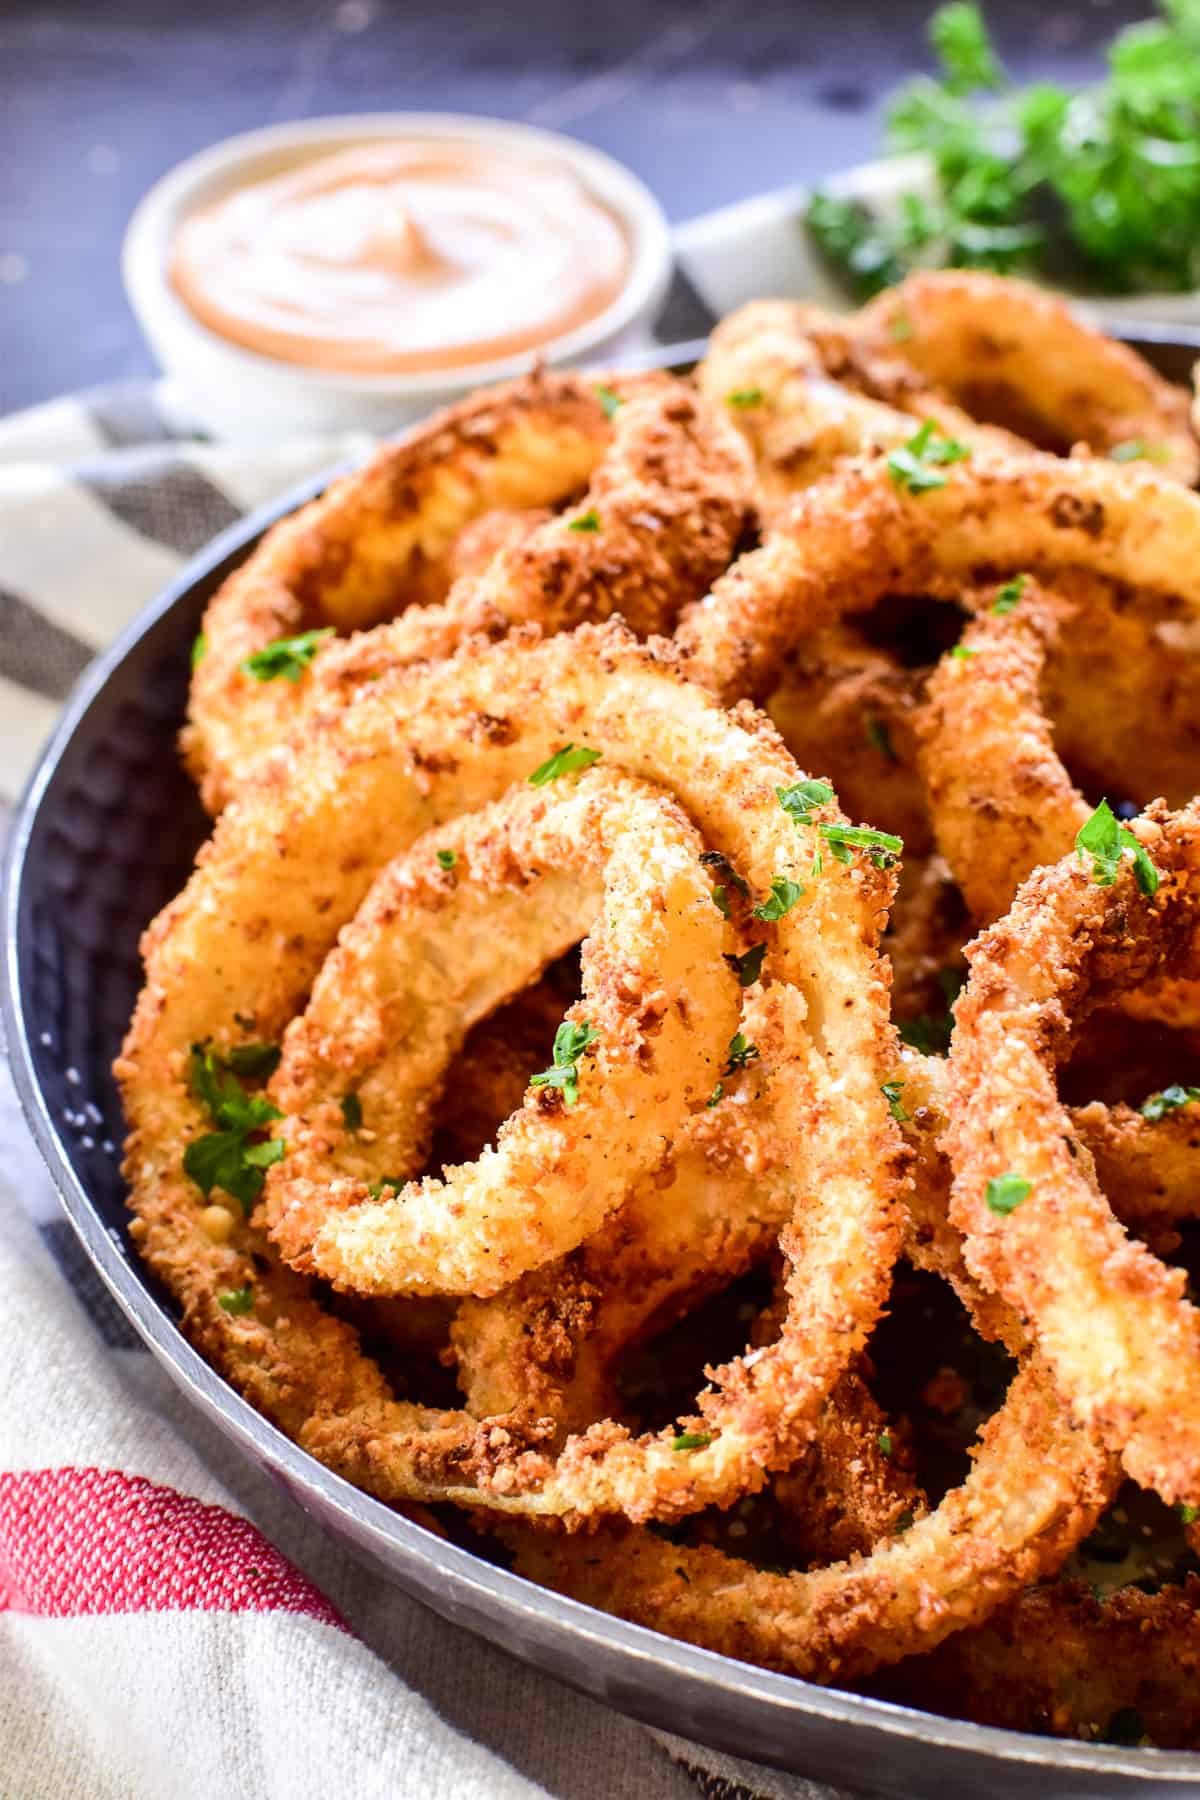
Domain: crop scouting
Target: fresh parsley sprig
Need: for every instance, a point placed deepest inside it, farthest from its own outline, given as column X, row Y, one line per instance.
column 1106, row 840
column 234, row 1157
column 567, row 761
column 570, row 1042
column 287, row 657
column 1115, row 166
column 1004, row 1193
column 1168, row 1099
column 916, row 464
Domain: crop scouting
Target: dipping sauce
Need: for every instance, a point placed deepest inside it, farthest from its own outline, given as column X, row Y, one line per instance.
column 403, row 256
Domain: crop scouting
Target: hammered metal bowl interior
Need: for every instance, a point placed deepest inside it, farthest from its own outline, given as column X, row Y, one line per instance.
column 105, row 835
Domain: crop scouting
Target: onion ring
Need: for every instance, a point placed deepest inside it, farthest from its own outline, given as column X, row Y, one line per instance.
column 665, row 506
column 431, row 951
column 803, row 401
column 291, row 861
column 1037, row 1486
column 1008, row 351
column 1037, row 1228
column 1058, row 1659
column 1001, row 799
column 860, row 535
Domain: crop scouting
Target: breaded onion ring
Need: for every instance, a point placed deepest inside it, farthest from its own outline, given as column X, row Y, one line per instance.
column 804, row 402
column 1011, row 352
column 291, row 860
column 1112, row 1322
column 1001, row 798
column 1037, row 1486
column 380, row 539
column 430, row 952
column 665, row 506
column 861, row 534
column 1061, row 1660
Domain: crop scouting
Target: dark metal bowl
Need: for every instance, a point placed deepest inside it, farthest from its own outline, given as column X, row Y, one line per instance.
column 105, row 834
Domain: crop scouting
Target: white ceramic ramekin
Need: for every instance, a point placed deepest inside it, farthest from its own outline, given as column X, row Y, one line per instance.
column 239, row 394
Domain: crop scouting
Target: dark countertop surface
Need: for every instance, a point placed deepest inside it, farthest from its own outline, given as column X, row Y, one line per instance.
column 708, row 100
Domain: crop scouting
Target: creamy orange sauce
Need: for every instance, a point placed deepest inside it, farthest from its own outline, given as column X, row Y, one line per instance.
column 403, row 256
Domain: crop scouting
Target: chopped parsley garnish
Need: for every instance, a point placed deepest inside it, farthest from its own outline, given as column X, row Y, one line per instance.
column 232, row 1157
column 237, row 1301
column 691, row 1440
column 885, row 1443
column 608, row 400
column 1096, row 187
column 447, row 858
column 803, row 798
column 375, row 1188
column 717, row 1095
column 566, row 761
column 588, row 521
column 1009, row 597
column 904, row 1522
column 741, row 398
column 1125, row 1727
column 740, row 1054
column 880, row 738
column 748, row 966
column 1105, row 840
column 883, row 847
column 253, row 1061
column 199, row 649
column 288, row 656
column 915, row 465
column 961, row 652
column 1170, row 1098
column 891, row 1091
column 930, row 1035
column 1138, row 450
column 1005, row 1193
column 713, row 859
column 570, row 1042
column 352, row 1113
column 784, row 895
column 1188, row 1514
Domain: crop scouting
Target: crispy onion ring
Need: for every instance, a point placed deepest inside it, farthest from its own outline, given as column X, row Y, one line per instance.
column 1009, row 351
column 842, row 546
column 847, row 709
column 291, row 860
column 804, row 401
column 1037, row 1486
column 1059, row 1659
column 429, row 953
column 1001, row 798
column 665, row 504
column 1113, row 1323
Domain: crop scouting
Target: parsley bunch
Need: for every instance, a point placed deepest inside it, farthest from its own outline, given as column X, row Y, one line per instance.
column 1096, row 187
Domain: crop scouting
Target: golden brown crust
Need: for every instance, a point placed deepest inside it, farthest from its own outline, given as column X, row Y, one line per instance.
column 1112, row 1321
column 380, row 539
column 666, row 502
column 806, row 395
column 291, row 860
column 1060, row 1661
column 1013, row 353
column 842, row 546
